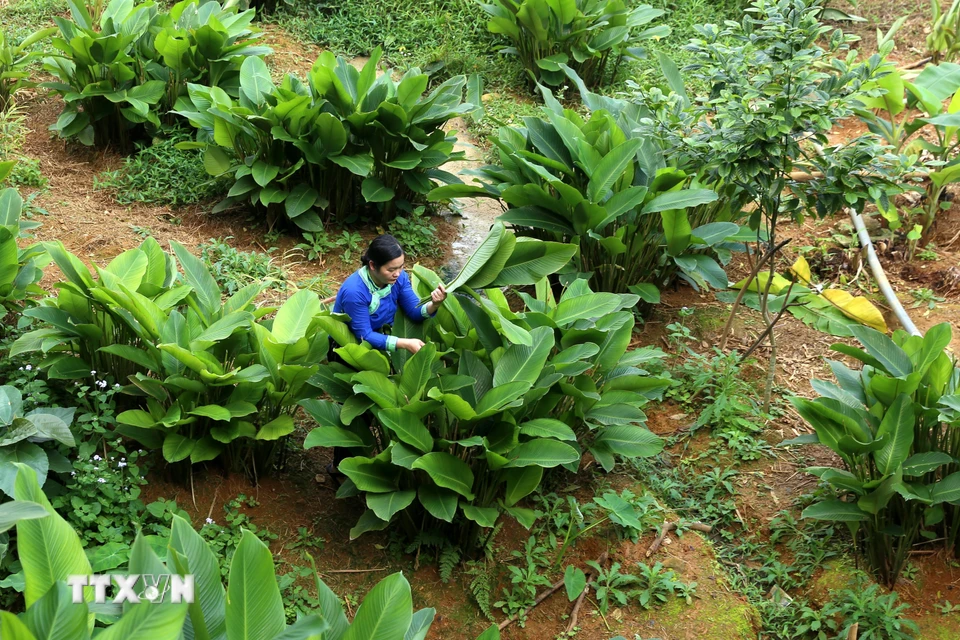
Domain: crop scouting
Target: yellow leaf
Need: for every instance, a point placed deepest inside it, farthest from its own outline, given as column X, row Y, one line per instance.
column 857, row 308
column 802, row 269
column 779, row 283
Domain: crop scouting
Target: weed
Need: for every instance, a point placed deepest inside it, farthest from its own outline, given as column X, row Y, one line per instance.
column 946, row 607
column 525, row 579
column 610, row 585
column 224, row 538
column 234, row 269
column 160, row 173
column 416, row 234
column 297, row 600
column 678, row 333
column 879, row 616
column 317, row 245
column 442, row 37
column 26, row 173
column 143, row 232
column 23, row 17
column 481, row 585
column 306, row 540
column 925, row 297
column 657, row 584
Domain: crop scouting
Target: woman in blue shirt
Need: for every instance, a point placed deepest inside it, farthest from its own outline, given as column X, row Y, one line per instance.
column 371, row 297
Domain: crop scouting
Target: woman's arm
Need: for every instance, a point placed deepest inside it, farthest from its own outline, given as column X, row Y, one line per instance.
column 410, row 302
column 359, row 311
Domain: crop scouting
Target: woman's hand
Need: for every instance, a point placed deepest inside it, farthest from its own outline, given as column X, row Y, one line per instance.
column 437, row 296
column 410, row 344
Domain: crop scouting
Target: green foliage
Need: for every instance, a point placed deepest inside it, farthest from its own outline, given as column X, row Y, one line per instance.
column 887, row 424
column 416, row 234
column 103, row 494
column 15, row 59
column 22, row 433
column 117, row 72
column 443, row 37
column 250, row 606
column 728, row 404
column 20, row 268
column 210, row 376
column 161, row 173
column 942, row 40
column 923, row 297
column 234, row 269
column 588, row 35
column 891, row 96
column 327, row 148
column 465, row 428
column 593, row 182
column 526, row 580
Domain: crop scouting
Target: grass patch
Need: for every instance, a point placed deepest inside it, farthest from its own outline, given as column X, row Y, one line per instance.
column 160, row 173
column 442, row 37
column 20, row 18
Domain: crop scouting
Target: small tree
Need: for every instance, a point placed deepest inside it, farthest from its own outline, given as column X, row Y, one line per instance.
column 762, row 130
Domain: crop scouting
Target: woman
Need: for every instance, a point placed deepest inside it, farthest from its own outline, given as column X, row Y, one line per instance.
column 371, row 297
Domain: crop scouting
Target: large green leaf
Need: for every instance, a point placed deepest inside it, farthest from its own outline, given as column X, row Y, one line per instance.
column 589, row 306
column 385, row 613
column 890, row 356
column 148, row 620
column 254, row 609
column 198, row 277
column 448, row 472
column 836, row 511
column 206, row 614
column 631, row 441
column 898, row 426
column 255, row 79
column 407, row 427
column 542, row 452
column 16, row 510
column 609, row 170
column 521, row 482
column 485, row 251
column 532, row 260
column 679, row 200
column 56, row 617
column 48, row 548
column 521, row 363
column 385, row 505
column 440, row 503
column 22, row 453
column 294, row 317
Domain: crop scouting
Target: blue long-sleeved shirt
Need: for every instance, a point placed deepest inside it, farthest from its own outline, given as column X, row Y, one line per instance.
column 371, row 308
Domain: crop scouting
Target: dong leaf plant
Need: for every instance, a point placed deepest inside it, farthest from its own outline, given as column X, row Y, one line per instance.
column 893, row 424
column 591, row 36
column 344, row 145
column 120, row 71
column 21, row 269
column 591, row 182
column 15, row 59
column 106, row 99
column 250, row 605
column 453, row 436
column 889, row 115
column 212, row 378
column 200, row 41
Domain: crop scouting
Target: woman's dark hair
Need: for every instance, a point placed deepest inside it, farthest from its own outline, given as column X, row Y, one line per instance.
column 382, row 250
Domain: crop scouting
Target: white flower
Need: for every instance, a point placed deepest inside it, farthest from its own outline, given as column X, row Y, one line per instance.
column 28, row 367
column 102, row 384
column 101, row 480
column 97, row 458
column 73, row 473
column 93, row 373
column 121, row 465
column 20, row 369
column 116, row 386
column 210, row 521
